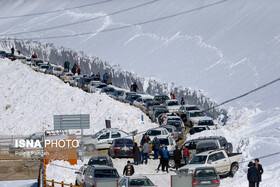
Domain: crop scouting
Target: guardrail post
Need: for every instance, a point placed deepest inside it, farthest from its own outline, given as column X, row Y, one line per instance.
column 52, row 182
column 62, row 184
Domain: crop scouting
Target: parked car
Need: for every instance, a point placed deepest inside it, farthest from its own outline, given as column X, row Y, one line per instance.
column 103, row 138
column 2, row 54
column 161, row 98
column 116, row 94
column 154, row 108
column 21, row 58
column 131, row 98
column 66, row 77
column 179, row 127
column 102, row 160
column 186, row 108
column 208, row 123
column 57, row 71
column 218, row 143
column 80, row 176
column 193, row 117
column 37, row 61
column 204, row 176
column 96, row 86
column 28, row 61
column 42, row 68
column 121, row 147
column 84, row 82
column 172, row 118
column 107, row 90
column 152, row 133
column 168, row 141
column 197, row 129
column 148, row 106
column 122, row 97
column 140, row 102
column 157, row 112
column 172, row 105
column 135, row 181
column 10, row 56
column 162, row 117
column 74, row 82
column 224, row 163
column 172, row 131
column 33, row 66
column 94, row 174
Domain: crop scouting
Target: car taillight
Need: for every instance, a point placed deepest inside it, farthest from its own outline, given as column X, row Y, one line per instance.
column 82, row 180
column 164, row 117
column 148, row 107
column 195, row 182
column 116, row 148
column 215, row 181
column 172, row 134
column 131, row 148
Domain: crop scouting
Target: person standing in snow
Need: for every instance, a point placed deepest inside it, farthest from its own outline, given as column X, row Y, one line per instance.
column 177, row 157
column 253, row 175
column 105, row 78
column 18, row 52
column 79, row 70
column 128, row 169
column 34, row 55
column 13, row 50
column 98, row 75
column 156, row 147
column 67, row 65
column 172, row 95
column 136, row 154
column 182, row 101
column 260, row 169
column 146, row 152
column 134, row 87
column 186, row 154
column 165, row 161
column 160, row 159
column 145, row 138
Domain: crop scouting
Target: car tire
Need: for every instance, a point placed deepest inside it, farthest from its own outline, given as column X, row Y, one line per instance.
column 233, row 169
column 90, row 148
column 171, row 163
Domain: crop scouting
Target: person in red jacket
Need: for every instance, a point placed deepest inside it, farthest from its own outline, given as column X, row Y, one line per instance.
column 186, row 154
column 79, row 70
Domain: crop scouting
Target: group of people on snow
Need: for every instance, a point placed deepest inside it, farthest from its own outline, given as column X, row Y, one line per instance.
column 254, row 174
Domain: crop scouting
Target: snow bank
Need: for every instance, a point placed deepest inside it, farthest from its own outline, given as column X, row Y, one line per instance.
column 35, row 97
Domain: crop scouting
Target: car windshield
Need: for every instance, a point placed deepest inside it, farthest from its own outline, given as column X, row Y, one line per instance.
column 189, row 108
column 44, row 67
column 206, row 122
column 106, row 173
column 173, row 119
column 145, row 100
column 57, row 69
column 108, row 89
column 169, row 130
column 124, row 141
column 175, row 124
column 199, row 129
column 69, row 75
column 154, row 132
column 205, row 173
column 98, row 161
column 172, row 103
column 140, row 182
column 87, row 80
column 134, row 97
column 163, row 141
column 101, row 86
column 197, row 114
column 96, row 135
column 119, row 92
column 161, row 98
column 198, row 159
column 158, row 112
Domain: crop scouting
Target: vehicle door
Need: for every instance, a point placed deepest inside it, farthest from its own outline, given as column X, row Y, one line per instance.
column 164, row 132
column 225, row 162
column 103, row 140
column 216, row 161
column 115, row 135
column 88, row 176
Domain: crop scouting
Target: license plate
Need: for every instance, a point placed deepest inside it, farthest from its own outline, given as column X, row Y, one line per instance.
column 205, row 182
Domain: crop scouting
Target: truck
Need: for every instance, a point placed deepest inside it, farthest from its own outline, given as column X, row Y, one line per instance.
column 225, row 163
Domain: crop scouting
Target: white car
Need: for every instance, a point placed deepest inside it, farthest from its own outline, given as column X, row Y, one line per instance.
column 162, row 132
column 96, row 86
column 223, row 162
column 186, row 108
column 133, row 181
column 172, row 105
column 169, row 142
column 104, row 138
column 122, row 97
column 197, row 129
column 140, row 102
column 171, row 118
column 193, row 117
column 208, row 123
column 80, row 176
column 28, row 61
column 66, row 77
column 21, row 58
column 42, row 68
column 57, row 70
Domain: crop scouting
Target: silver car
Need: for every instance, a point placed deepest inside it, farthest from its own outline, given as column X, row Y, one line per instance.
column 133, row 181
column 80, row 176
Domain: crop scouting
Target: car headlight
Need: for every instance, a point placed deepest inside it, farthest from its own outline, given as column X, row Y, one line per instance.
column 191, row 171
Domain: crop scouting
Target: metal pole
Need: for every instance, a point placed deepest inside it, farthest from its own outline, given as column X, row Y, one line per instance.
column 82, row 139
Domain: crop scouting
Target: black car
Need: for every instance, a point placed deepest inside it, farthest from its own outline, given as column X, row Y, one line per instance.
column 10, row 56
column 2, row 54
column 161, row 98
column 108, row 90
column 122, row 147
column 103, row 160
column 131, row 98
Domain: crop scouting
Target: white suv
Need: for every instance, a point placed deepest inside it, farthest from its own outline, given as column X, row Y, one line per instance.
column 172, row 105
column 103, row 138
column 157, row 132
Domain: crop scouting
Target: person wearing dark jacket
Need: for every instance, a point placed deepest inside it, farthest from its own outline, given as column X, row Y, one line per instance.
column 105, row 78
column 184, row 117
column 156, row 145
column 182, row 101
column 160, row 159
column 260, row 169
column 177, row 157
column 144, row 139
column 253, row 175
column 128, row 169
column 13, row 50
column 134, row 87
column 136, row 154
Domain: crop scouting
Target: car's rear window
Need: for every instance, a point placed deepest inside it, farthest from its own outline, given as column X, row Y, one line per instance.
column 140, row 182
column 206, row 122
column 124, row 141
column 98, row 161
column 205, row 173
column 163, row 141
column 154, row 132
column 106, row 173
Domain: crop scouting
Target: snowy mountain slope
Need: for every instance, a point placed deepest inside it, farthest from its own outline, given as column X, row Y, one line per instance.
column 30, row 99
column 224, row 48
